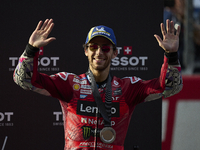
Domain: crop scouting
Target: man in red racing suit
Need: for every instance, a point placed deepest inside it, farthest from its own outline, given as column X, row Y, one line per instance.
column 82, row 120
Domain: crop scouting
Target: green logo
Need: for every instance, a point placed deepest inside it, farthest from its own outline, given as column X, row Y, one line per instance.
column 86, row 132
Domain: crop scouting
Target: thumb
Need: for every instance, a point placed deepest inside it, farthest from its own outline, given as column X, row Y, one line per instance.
column 49, row 40
column 159, row 40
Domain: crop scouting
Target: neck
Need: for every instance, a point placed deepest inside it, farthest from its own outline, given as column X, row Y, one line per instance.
column 100, row 75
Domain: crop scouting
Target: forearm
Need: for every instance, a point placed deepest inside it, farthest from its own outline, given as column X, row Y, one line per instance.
column 173, row 80
column 24, row 71
column 170, row 81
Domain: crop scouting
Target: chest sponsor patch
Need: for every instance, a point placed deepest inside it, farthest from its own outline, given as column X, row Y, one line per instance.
column 80, row 81
column 76, row 87
column 118, row 91
column 83, row 91
column 83, row 96
column 83, row 86
column 87, row 108
column 89, row 131
column 116, row 84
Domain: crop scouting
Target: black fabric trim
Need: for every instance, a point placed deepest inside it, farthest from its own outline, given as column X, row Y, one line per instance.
column 103, row 82
column 105, row 109
column 172, row 58
column 30, row 50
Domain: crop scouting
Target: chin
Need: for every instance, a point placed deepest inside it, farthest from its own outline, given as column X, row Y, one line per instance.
column 99, row 68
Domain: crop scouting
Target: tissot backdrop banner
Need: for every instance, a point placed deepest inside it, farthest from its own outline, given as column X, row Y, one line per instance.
column 34, row 122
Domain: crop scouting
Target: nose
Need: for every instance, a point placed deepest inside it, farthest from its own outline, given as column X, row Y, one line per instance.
column 99, row 50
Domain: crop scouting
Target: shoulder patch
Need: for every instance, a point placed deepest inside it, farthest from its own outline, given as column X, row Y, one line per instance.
column 133, row 79
column 64, row 75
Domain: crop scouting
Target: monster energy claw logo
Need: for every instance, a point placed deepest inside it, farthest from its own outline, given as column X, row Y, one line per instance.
column 86, row 132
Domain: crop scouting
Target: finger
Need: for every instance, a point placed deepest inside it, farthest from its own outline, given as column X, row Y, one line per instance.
column 44, row 24
column 178, row 30
column 159, row 40
column 172, row 27
column 47, row 41
column 50, row 28
column 168, row 25
column 48, row 24
column 162, row 27
column 38, row 25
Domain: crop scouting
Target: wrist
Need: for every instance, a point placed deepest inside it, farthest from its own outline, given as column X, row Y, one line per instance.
column 31, row 50
column 172, row 57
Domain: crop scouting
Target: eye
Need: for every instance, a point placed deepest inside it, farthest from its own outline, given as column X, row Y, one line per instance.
column 93, row 47
column 105, row 48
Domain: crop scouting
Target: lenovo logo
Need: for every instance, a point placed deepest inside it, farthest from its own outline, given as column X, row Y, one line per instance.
column 87, row 108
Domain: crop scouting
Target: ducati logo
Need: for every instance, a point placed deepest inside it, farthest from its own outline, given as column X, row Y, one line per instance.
column 116, row 84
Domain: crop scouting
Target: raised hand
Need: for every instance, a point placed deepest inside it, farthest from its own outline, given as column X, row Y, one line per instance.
column 39, row 37
column 170, row 42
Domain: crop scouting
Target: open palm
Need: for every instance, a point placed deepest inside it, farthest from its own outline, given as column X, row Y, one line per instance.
column 39, row 37
column 170, row 40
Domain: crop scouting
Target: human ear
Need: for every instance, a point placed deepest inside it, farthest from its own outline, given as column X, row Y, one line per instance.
column 86, row 52
column 115, row 53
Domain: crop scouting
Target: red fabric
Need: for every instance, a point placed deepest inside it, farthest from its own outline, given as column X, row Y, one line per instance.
column 78, row 105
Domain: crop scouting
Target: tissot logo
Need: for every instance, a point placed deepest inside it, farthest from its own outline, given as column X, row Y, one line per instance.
column 58, row 118
column 6, row 116
column 127, row 50
column 87, row 108
column 41, row 52
column 58, row 115
column 44, row 63
column 126, row 61
column 132, row 61
column 6, row 119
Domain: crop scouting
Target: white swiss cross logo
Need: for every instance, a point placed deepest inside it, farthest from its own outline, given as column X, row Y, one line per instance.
column 127, row 50
column 41, row 51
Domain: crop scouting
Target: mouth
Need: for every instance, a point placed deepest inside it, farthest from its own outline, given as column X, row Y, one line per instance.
column 98, row 60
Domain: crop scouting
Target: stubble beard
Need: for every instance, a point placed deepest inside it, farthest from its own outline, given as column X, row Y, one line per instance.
column 99, row 68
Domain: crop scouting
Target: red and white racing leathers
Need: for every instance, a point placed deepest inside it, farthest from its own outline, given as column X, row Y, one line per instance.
column 81, row 125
